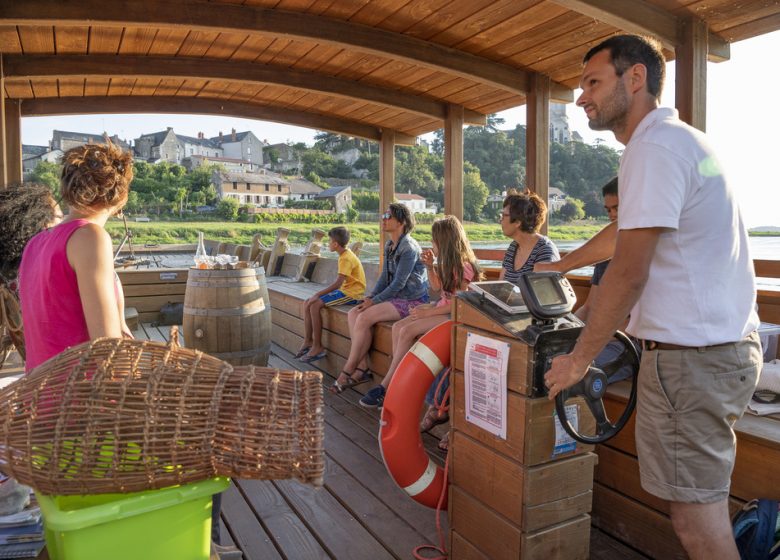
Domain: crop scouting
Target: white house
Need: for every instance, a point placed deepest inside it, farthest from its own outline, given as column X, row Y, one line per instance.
column 415, row 203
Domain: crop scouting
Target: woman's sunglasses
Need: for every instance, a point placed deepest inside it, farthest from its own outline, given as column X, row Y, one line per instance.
column 386, row 216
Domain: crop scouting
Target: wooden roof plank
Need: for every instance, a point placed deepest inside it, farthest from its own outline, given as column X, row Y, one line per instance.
column 482, row 22
column 74, row 40
column 9, row 39
column 277, row 46
column 70, row 87
column 576, row 31
column 231, row 18
column 378, row 11
column 450, row 14
column 46, row 87
column 315, row 58
column 226, row 45
column 639, row 16
column 197, row 43
column 169, row 86
column 145, row 87
column 402, row 20
column 294, row 5
column 363, row 66
column 160, row 104
column 252, row 47
column 137, row 40
column 294, row 51
column 752, row 29
column 105, row 40
column 534, row 14
column 37, row 39
column 121, row 86
column 345, row 9
column 20, row 89
column 167, row 42
column 96, row 86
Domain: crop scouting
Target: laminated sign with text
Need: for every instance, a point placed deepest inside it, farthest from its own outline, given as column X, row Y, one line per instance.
column 485, row 371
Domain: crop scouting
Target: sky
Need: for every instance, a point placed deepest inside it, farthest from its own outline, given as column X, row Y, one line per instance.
column 743, row 122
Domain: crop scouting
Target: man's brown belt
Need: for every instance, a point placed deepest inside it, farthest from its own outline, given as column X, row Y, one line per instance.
column 653, row 345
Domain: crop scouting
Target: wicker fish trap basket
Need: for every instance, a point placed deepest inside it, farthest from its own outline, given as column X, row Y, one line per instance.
column 119, row 415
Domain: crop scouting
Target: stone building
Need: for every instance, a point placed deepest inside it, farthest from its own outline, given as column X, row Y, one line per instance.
column 174, row 148
column 339, row 197
column 257, row 189
column 243, row 146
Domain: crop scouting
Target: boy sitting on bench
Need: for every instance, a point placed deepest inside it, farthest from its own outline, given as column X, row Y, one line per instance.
column 347, row 289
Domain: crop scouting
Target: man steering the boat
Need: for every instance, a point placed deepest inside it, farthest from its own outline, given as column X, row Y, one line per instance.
column 682, row 270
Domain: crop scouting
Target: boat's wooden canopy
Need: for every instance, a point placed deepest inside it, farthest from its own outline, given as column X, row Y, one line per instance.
column 352, row 66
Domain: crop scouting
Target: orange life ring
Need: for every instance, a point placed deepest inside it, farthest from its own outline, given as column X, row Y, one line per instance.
column 399, row 433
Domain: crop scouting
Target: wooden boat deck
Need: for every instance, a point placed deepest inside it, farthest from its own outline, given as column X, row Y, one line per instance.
column 358, row 514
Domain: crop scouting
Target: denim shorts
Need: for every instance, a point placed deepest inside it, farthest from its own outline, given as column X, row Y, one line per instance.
column 688, row 401
column 405, row 306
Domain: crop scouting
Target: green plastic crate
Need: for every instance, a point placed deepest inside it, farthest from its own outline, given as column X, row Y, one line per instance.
column 168, row 524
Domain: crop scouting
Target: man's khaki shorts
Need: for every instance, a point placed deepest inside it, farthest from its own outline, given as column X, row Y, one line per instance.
column 687, row 404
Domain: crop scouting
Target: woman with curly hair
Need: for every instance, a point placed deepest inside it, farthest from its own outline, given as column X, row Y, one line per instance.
column 67, row 283
column 25, row 210
column 521, row 219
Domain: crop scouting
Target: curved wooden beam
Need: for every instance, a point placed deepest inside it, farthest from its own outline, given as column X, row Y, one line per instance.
column 202, row 106
column 229, row 18
column 30, row 67
column 641, row 17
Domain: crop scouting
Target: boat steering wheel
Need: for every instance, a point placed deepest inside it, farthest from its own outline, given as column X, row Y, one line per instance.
column 593, row 387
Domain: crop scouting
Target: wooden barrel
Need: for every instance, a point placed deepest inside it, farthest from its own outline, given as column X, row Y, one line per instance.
column 227, row 314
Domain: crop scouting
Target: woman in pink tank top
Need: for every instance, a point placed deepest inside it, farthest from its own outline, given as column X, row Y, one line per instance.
column 66, row 279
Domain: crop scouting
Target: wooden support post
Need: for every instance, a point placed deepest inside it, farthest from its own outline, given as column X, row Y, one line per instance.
column 537, row 137
column 690, row 93
column 386, row 182
column 13, row 139
column 453, row 161
column 3, row 156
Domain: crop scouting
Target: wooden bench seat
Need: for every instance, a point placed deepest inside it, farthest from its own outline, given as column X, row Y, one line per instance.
column 624, row 510
column 288, row 328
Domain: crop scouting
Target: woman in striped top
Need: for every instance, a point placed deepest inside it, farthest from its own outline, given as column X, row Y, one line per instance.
column 521, row 218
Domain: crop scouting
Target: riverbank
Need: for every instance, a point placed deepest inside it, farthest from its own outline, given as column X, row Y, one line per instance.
column 235, row 232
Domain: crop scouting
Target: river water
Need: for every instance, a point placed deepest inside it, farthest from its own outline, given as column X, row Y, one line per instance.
column 761, row 248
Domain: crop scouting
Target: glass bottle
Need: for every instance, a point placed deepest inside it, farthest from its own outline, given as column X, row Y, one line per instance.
column 201, row 258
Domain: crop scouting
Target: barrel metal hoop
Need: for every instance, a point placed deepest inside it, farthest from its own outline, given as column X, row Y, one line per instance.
column 254, row 309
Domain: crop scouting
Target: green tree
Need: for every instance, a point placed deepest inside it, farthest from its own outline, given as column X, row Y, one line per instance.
column 572, row 210
column 352, row 214
column 366, row 201
column 227, row 208
column 420, row 172
column 48, row 174
column 475, row 193
column 273, row 155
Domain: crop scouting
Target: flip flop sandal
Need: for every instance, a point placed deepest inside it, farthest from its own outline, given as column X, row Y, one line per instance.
column 444, row 443
column 432, row 419
column 312, row 359
column 337, row 387
column 302, row 352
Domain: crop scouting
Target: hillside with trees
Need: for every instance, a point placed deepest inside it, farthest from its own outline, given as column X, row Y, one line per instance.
column 494, row 162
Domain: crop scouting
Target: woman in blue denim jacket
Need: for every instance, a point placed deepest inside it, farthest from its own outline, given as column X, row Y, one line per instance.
column 402, row 285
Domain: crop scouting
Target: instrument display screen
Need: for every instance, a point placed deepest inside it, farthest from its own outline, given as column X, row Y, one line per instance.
column 548, row 295
column 547, row 292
